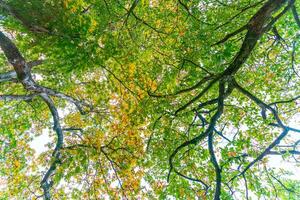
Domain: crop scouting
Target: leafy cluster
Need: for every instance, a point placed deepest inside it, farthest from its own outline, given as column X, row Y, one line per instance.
column 149, row 99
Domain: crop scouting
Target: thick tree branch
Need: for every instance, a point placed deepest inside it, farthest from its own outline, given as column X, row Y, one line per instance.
column 15, row 58
column 203, row 135
column 23, row 73
column 255, row 29
column 210, row 142
column 46, row 183
column 246, row 187
column 80, row 105
column 277, row 17
column 12, row 75
column 11, row 11
column 191, row 179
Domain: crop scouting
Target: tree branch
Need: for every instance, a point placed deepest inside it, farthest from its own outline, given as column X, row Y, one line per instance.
column 230, row 35
column 12, row 75
column 294, row 152
column 23, row 73
column 197, row 85
column 275, row 142
column 204, row 134
column 256, row 28
column 285, row 101
column 242, row 10
column 296, row 16
column 46, row 183
column 210, row 84
column 131, row 9
column 210, row 142
column 17, row 97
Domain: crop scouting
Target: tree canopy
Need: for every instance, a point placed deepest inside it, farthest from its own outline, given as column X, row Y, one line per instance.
column 149, row 99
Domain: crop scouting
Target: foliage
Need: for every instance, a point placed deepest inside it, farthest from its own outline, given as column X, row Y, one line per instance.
column 156, row 99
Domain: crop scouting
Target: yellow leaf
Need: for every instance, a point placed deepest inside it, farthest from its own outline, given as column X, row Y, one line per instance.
column 66, row 2
column 131, row 68
column 17, row 164
column 93, row 25
column 232, row 154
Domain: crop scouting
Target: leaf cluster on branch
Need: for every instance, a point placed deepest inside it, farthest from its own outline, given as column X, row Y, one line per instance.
column 149, row 99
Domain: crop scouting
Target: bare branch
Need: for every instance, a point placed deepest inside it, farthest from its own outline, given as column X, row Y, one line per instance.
column 204, row 134
column 285, row 101
column 296, row 16
column 246, row 186
column 230, row 35
column 192, row 179
column 210, row 141
column 210, row 84
column 131, row 9
column 293, row 59
column 197, row 85
column 197, row 65
column 46, row 183
column 281, row 184
column 294, row 152
column 190, row 14
column 17, row 97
